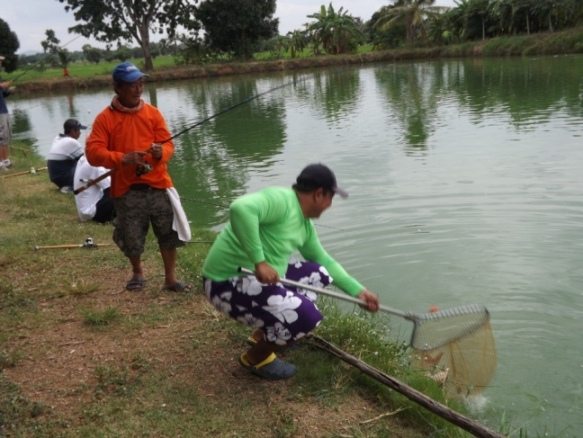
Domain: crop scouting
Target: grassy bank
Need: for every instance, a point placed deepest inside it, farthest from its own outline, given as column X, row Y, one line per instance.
column 86, row 76
column 80, row 356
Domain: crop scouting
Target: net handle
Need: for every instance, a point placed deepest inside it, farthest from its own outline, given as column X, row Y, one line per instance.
column 341, row 296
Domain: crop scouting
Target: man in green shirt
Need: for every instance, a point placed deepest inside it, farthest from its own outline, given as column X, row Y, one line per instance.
column 264, row 230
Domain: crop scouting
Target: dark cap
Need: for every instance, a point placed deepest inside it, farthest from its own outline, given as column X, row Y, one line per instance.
column 71, row 124
column 127, row 72
column 318, row 175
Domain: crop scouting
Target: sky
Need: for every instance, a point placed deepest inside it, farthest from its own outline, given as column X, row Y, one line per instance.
column 30, row 18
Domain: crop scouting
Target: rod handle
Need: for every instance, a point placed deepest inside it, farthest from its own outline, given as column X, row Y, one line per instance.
column 92, row 182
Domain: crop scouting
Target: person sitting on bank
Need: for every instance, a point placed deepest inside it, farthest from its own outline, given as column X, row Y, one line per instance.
column 63, row 156
column 94, row 202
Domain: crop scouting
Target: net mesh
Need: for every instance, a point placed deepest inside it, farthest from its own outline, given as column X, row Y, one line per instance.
column 433, row 330
column 464, row 365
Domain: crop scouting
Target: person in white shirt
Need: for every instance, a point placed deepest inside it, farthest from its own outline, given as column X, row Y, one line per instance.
column 93, row 203
column 63, row 156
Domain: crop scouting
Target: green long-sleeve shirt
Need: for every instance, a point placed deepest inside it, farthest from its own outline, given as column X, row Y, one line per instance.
column 269, row 226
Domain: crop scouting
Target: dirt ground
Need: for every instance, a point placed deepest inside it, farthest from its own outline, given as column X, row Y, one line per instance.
column 59, row 368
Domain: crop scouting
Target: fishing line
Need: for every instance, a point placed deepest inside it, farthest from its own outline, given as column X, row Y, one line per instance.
column 247, row 100
column 41, row 59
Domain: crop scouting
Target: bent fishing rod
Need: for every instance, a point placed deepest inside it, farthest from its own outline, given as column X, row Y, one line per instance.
column 247, row 100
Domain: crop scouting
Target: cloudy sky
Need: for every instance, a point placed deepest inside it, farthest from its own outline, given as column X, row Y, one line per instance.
column 30, row 18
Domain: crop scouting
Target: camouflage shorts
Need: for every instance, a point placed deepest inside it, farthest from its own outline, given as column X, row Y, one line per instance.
column 5, row 130
column 135, row 210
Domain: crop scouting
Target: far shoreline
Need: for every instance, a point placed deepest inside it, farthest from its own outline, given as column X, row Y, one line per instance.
column 540, row 44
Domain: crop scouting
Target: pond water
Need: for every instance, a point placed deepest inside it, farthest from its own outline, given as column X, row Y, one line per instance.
column 465, row 187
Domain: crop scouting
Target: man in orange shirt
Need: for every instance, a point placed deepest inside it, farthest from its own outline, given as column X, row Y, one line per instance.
column 131, row 138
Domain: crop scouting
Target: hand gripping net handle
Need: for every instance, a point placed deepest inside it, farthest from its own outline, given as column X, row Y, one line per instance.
column 330, row 293
column 431, row 330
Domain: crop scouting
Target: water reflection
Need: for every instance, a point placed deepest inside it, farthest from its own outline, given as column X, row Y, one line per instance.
column 412, row 99
column 334, row 93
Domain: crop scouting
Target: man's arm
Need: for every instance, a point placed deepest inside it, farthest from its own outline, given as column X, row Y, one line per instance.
column 96, row 148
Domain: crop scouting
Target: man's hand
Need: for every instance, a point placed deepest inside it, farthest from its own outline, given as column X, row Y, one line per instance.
column 156, row 150
column 133, row 158
column 265, row 273
column 371, row 300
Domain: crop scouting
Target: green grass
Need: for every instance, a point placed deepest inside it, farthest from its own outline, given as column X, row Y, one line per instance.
column 98, row 318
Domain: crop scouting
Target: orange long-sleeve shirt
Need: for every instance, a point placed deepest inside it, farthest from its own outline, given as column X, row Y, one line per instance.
column 115, row 133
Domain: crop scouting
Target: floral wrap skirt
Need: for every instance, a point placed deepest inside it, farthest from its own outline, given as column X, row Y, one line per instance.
column 284, row 313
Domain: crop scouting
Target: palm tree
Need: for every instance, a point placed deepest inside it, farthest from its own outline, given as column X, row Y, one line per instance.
column 297, row 41
column 555, row 14
column 477, row 14
column 336, row 32
column 64, row 60
column 412, row 13
column 502, row 11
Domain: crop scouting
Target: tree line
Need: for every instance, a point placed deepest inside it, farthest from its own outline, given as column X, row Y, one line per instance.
column 203, row 30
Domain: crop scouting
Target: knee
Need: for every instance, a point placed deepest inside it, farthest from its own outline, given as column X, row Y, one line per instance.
column 309, row 272
column 311, row 319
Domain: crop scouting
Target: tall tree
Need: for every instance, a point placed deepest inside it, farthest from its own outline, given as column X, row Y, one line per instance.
column 92, row 54
column 336, row 31
column 9, row 44
column 61, row 56
column 235, row 26
column 476, row 20
column 412, row 13
column 114, row 20
column 298, row 41
column 502, row 11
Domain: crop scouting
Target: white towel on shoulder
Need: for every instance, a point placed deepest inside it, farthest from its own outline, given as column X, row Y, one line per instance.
column 180, row 223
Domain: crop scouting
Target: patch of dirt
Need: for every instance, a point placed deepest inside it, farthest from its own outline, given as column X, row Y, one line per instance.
column 61, row 364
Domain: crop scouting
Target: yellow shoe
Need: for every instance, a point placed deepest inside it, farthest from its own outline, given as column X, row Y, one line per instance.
column 271, row 368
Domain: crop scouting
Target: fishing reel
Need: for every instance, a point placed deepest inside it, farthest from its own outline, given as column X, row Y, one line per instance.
column 89, row 244
column 142, row 169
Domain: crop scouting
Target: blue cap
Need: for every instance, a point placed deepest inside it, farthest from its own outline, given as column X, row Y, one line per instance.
column 127, row 72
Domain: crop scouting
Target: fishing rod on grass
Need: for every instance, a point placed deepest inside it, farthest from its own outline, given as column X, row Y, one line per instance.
column 88, row 244
column 146, row 168
column 33, row 171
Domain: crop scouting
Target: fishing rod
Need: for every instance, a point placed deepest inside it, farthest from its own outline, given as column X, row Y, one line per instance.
column 247, row 100
column 33, row 171
column 88, row 244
